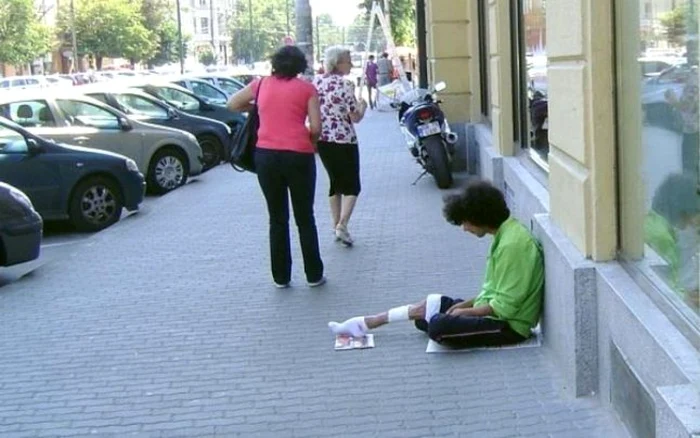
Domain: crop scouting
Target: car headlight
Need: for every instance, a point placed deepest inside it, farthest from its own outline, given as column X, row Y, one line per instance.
column 131, row 165
column 21, row 198
column 191, row 137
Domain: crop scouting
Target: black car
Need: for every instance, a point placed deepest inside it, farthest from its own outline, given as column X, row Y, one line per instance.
column 86, row 186
column 185, row 100
column 20, row 227
column 214, row 137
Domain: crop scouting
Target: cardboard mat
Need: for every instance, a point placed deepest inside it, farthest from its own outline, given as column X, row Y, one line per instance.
column 534, row 341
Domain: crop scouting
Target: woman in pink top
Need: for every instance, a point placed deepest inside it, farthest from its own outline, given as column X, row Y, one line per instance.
column 285, row 160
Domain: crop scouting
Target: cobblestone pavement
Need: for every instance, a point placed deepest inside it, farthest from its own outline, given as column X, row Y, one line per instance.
column 168, row 324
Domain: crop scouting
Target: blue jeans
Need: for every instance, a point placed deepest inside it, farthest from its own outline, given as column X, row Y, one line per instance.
column 281, row 174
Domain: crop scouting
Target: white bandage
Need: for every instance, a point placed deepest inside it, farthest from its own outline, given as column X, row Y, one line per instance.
column 398, row 314
column 432, row 305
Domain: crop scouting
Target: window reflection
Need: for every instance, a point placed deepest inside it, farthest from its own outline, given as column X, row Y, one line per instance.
column 535, row 41
column 668, row 62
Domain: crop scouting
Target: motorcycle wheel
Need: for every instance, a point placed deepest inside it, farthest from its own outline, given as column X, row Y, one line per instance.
column 438, row 164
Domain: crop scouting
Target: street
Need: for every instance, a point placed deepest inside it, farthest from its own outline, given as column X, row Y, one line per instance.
column 168, row 324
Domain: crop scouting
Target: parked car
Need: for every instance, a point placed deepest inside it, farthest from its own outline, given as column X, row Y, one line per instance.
column 85, row 186
column 184, row 100
column 245, row 78
column 166, row 156
column 214, row 137
column 23, row 82
column 227, row 84
column 203, row 89
column 657, row 110
column 20, row 227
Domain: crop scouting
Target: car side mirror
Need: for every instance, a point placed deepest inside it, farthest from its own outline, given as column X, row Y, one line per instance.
column 172, row 113
column 33, row 147
column 206, row 106
column 125, row 124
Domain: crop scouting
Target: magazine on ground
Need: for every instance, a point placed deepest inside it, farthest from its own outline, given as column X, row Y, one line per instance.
column 346, row 342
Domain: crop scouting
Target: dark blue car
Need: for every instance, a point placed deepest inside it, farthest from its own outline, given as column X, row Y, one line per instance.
column 20, row 227
column 85, row 186
column 213, row 136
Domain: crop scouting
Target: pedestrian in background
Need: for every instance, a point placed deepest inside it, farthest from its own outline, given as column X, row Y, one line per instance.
column 371, row 80
column 337, row 146
column 285, row 159
column 384, row 69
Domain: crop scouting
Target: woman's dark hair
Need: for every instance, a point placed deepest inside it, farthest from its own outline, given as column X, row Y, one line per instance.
column 288, row 62
column 676, row 199
column 481, row 204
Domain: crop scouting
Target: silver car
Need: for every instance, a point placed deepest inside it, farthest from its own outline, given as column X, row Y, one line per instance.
column 166, row 156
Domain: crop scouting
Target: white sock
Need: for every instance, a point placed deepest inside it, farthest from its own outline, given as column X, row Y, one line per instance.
column 432, row 306
column 398, row 314
column 354, row 327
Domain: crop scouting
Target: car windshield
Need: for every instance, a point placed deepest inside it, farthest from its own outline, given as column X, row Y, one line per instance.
column 178, row 99
column 209, row 92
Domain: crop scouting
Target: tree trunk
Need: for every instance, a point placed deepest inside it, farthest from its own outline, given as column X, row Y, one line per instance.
column 98, row 62
column 304, row 32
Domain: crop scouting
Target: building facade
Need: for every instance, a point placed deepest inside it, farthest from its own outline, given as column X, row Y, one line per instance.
column 585, row 113
column 207, row 24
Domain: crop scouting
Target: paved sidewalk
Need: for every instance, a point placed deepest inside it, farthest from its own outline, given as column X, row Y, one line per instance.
column 167, row 324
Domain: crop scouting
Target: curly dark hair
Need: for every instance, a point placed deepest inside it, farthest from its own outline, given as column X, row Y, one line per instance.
column 288, row 62
column 677, row 198
column 481, row 204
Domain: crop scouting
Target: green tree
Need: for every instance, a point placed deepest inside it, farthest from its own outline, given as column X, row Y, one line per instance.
column 207, row 57
column 674, row 23
column 158, row 17
column 109, row 28
column 23, row 37
column 257, row 32
column 403, row 20
column 357, row 35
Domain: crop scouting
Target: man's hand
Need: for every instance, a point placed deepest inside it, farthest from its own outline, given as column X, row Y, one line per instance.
column 463, row 305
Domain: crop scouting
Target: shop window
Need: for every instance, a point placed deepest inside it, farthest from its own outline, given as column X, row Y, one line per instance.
column 657, row 105
column 484, row 59
column 531, row 105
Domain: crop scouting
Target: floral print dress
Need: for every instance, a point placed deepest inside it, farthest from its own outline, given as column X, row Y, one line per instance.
column 337, row 98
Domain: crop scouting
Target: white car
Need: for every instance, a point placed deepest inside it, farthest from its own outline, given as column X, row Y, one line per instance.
column 166, row 156
column 23, row 82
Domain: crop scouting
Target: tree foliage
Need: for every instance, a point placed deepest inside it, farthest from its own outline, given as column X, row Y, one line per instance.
column 403, row 20
column 258, row 31
column 108, row 28
column 22, row 36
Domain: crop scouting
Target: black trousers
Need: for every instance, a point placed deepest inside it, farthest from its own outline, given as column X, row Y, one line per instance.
column 467, row 331
column 342, row 162
column 281, row 174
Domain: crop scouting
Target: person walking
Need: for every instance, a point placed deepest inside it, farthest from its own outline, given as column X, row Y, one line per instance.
column 384, row 69
column 371, row 70
column 285, row 159
column 337, row 146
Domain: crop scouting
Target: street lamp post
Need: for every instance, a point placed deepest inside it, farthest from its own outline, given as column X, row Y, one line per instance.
column 181, row 55
column 74, row 40
column 250, row 29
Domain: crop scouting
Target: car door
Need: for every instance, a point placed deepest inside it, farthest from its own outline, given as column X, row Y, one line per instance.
column 105, row 129
column 32, row 172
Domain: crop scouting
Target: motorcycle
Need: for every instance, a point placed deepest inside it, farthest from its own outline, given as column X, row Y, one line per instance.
column 427, row 133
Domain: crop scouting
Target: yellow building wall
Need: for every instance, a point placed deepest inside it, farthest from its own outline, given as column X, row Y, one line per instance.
column 501, row 71
column 450, row 58
column 581, row 124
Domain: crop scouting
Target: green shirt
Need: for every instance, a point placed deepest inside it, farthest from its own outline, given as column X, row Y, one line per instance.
column 514, row 280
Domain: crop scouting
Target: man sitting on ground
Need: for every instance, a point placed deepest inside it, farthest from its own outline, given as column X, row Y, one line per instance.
column 510, row 301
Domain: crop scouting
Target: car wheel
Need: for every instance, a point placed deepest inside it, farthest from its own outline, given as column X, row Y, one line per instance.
column 167, row 171
column 96, row 204
column 212, row 150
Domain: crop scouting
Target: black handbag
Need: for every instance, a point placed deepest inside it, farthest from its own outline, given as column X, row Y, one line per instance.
column 243, row 151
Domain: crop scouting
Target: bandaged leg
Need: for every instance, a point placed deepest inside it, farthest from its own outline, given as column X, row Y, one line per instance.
column 398, row 313
column 432, row 306
column 354, row 327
